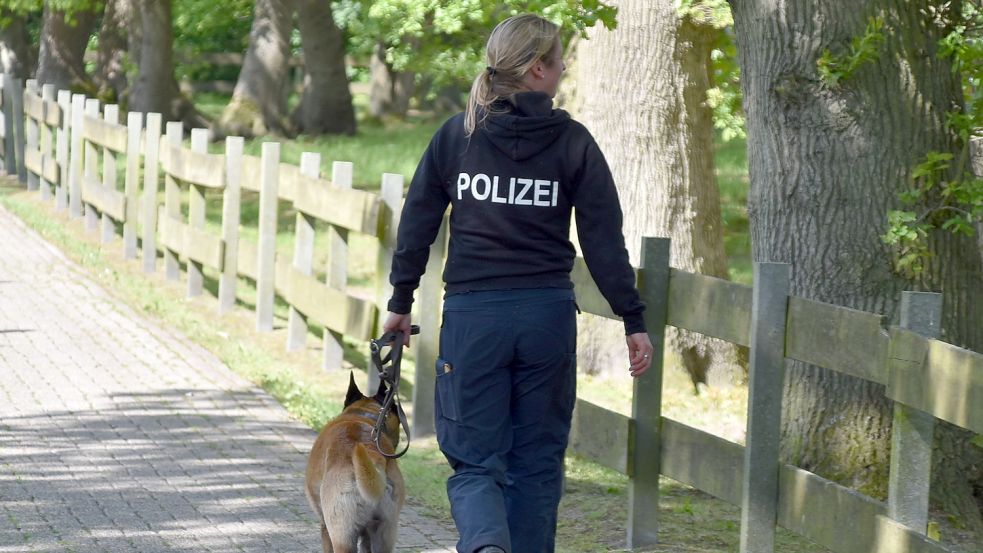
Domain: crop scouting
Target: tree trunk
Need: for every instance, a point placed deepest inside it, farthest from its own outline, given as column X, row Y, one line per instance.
column 326, row 102
column 156, row 89
column 259, row 100
column 391, row 90
column 826, row 163
column 660, row 149
column 15, row 48
column 110, row 73
column 63, row 42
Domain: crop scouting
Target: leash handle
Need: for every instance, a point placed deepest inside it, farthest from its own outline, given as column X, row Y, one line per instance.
column 394, row 339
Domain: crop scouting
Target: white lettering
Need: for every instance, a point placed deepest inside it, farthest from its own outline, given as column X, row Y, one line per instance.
column 522, row 191
column 521, row 198
column 463, row 183
column 480, row 178
column 494, row 196
column 542, row 189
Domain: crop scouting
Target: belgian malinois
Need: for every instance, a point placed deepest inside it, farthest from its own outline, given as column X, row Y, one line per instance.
column 356, row 491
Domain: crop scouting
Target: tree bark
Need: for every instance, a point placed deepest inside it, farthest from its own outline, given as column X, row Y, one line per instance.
column 826, row 164
column 391, row 90
column 156, row 89
column 110, row 73
column 63, row 42
column 326, row 102
column 16, row 54
column 660, row 149
column 260, row 97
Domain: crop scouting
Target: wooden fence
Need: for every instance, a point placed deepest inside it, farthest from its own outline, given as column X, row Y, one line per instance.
column 927, row 379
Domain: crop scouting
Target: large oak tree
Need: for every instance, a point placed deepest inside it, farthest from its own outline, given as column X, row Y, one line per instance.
column 828, row 157
column 642, row 91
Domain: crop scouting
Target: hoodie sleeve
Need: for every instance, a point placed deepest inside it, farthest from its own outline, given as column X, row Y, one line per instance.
column 599, row 221
column 419, row 223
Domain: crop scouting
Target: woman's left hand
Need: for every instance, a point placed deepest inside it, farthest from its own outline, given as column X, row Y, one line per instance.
column 639, row 353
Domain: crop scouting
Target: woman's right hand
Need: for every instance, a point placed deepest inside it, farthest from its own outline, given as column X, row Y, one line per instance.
column 401, row 322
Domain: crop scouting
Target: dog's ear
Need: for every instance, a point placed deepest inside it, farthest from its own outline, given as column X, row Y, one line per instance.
column 380, row 395
column 354, row 394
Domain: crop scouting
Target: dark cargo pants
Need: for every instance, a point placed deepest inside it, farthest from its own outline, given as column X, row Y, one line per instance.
column 505, row 391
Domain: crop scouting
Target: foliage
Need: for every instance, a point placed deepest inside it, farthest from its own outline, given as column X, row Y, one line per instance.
column 724, row 97
column 203, row 26
column 445, row 39
column 864, row 48
column 945, row 194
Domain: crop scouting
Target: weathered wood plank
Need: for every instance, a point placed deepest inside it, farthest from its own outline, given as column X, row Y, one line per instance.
column 150, row 149
column 105, row 200
column 913, row 431
column 344, row 207
column 766, row 373
column 251, row 173
column 589, row 298
column 105, row 134
column 702, row 460
column 42, row 165
column 195, row 244
column 602, row 436
column 304, row 234
column 193, row 167
column 52, row 113
column 288, row 179
column 354, row 317
column 941, row 379
column 34, row 107
column 646, row 399
column 231, row 206
column 248, row 258
column 268, row 213
column 710, row 306
column 839, row 338
column 842, row 519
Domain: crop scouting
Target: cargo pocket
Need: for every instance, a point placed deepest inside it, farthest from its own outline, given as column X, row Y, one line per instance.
column 446, row 404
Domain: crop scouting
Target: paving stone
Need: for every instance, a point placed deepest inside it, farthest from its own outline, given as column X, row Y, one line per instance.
column 120, row 435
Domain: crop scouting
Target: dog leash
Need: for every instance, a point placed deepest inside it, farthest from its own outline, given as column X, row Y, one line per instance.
column 390, row 376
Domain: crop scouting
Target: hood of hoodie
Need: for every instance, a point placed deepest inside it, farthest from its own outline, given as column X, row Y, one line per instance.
column 530, row 126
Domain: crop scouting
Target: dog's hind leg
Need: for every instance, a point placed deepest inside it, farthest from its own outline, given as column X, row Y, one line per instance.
column 325, row 540
column 384, row 538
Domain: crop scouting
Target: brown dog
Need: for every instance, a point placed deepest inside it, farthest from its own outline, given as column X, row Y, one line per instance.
column 355, row 491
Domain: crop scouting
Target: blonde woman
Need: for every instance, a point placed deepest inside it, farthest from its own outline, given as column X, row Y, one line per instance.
column 514, row 170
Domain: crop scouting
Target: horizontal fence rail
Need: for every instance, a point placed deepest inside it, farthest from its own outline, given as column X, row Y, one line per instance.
column 69, row 149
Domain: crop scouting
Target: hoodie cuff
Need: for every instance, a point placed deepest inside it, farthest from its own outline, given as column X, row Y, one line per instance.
column 402, row 301
column 634, row 323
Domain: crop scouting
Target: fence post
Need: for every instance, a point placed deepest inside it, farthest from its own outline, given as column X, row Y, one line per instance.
column 33, row 137
column 131, row 188
column 310, row 166
column 61, row 149
column 172, row 200
column 75, row 163
column 912, row 431
column 9, row 165
column 47, row 98
column 196, row 214
column 18, row 108
column 646, row 404
column 89, row 172
column 427, row 348
column 110, row 115
column 230, row 223
column 151, row 155
column 766, row 370
column 266, row 269
column 337, row 272
column 391, row 194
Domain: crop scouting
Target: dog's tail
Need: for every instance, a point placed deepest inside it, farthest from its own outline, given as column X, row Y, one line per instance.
column 370, row 477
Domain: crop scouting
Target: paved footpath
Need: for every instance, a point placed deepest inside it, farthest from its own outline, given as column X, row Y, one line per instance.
column 119, row 435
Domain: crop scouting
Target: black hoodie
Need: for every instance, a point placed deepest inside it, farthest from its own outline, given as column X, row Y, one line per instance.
column 513, row 185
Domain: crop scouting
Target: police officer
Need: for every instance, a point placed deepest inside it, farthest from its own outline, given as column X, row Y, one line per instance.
column 514, row 169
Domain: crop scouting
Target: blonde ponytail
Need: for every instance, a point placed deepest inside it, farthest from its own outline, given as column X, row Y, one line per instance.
column 515, row 45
